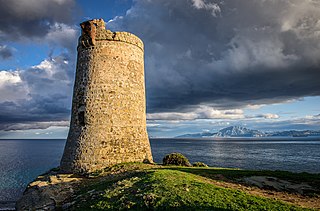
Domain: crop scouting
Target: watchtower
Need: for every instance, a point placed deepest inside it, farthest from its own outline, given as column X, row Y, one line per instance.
column 108, row 120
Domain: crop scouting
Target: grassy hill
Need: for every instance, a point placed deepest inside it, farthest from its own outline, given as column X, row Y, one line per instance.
column 138, row 186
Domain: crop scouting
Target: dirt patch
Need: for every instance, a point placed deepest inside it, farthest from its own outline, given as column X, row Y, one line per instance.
column 300, row 194
column 274, row 183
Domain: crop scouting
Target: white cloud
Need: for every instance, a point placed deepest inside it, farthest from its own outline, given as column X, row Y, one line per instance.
column 36, row 97
column 313, row 117
column 271, row 116
column 152, row 125
column 254, row 107
column 202, row 4
column 12, row 88
column 202, row 112
column 47, row 67
column 52, row 75
column 207, row 112
column 171, row 116
column 9, row 78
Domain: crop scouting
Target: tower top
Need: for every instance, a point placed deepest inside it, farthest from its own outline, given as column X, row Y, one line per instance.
column 95, row 30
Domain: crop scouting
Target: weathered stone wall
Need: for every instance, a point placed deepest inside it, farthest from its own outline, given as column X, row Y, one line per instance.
column 108, row 123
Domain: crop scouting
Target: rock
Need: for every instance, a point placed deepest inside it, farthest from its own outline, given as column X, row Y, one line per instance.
column 278, row 184
column 48, row 192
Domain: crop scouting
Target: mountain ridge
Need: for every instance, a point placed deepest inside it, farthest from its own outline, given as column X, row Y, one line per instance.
column 239, row 131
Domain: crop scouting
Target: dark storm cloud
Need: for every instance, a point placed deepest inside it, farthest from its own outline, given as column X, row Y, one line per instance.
column 21, row 19
column 39, row 110
column 227, row 54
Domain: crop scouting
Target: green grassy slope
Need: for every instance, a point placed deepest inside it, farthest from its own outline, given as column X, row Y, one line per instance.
column 138, row 187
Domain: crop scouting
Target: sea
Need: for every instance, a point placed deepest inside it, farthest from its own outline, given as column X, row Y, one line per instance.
column 21, row 161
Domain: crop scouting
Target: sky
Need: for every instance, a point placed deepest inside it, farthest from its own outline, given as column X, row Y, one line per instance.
column 209, row 64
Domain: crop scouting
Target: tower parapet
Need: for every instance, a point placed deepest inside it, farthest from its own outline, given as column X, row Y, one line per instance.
column 108, row 121
column 95, row 30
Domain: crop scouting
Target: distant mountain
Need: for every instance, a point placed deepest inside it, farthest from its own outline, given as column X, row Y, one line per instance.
column 238, row 131
column 233, row 131
column 197, row 135
column 295, row 133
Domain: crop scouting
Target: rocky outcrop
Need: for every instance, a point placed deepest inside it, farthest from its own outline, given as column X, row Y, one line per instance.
column 273, row 183
column 49, row 192
column 57, row 191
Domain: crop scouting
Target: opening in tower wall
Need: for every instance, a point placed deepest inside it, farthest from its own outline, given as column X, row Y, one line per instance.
column 81, row 118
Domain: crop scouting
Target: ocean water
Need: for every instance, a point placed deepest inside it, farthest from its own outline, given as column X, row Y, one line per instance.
column 21, row 161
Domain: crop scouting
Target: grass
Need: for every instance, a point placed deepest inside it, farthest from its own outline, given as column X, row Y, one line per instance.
column 235, row 174
column 141, row 187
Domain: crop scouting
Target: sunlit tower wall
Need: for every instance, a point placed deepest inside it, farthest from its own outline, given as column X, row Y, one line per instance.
column 108, row 120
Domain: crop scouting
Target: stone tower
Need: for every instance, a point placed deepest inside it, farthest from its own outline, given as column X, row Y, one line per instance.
column 108, row 121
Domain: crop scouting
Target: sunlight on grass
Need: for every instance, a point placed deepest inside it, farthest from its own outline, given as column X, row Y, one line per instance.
column 161, row 189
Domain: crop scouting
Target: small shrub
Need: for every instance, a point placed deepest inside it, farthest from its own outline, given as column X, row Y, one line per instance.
column 199, row 164
column 176, row 159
